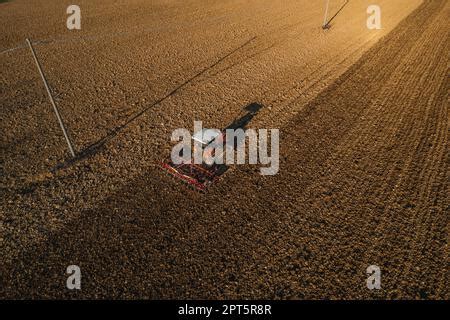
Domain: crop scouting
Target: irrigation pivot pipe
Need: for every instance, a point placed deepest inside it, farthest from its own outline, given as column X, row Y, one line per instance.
column 325, row 22
column 55, row 108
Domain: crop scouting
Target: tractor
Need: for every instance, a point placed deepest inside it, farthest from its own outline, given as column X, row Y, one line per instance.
column 203, row 175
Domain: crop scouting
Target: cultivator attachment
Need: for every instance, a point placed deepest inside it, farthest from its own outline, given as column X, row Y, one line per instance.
column 197, row 176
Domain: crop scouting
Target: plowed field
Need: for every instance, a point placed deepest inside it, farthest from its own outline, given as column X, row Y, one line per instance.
column 363, row 179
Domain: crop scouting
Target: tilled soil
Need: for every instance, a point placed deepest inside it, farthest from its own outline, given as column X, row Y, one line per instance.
column 363, row 176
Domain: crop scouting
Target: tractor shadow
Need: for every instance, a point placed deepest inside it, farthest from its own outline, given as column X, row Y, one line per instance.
column 241, row 123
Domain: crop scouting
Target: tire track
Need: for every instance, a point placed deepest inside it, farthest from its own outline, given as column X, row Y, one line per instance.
column 394, row 116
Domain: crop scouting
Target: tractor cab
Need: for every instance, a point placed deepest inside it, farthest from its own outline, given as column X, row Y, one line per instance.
column 207, row 140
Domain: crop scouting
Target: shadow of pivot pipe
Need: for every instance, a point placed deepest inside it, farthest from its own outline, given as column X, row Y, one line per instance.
column 55, row 108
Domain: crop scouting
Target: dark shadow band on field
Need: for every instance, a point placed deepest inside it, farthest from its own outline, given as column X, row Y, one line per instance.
column 144, row 243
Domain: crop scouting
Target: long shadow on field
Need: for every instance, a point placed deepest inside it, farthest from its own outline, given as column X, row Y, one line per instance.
column 98, row 144
column 154, row 239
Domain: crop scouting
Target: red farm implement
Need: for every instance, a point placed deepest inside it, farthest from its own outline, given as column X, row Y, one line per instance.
column 201, row 176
